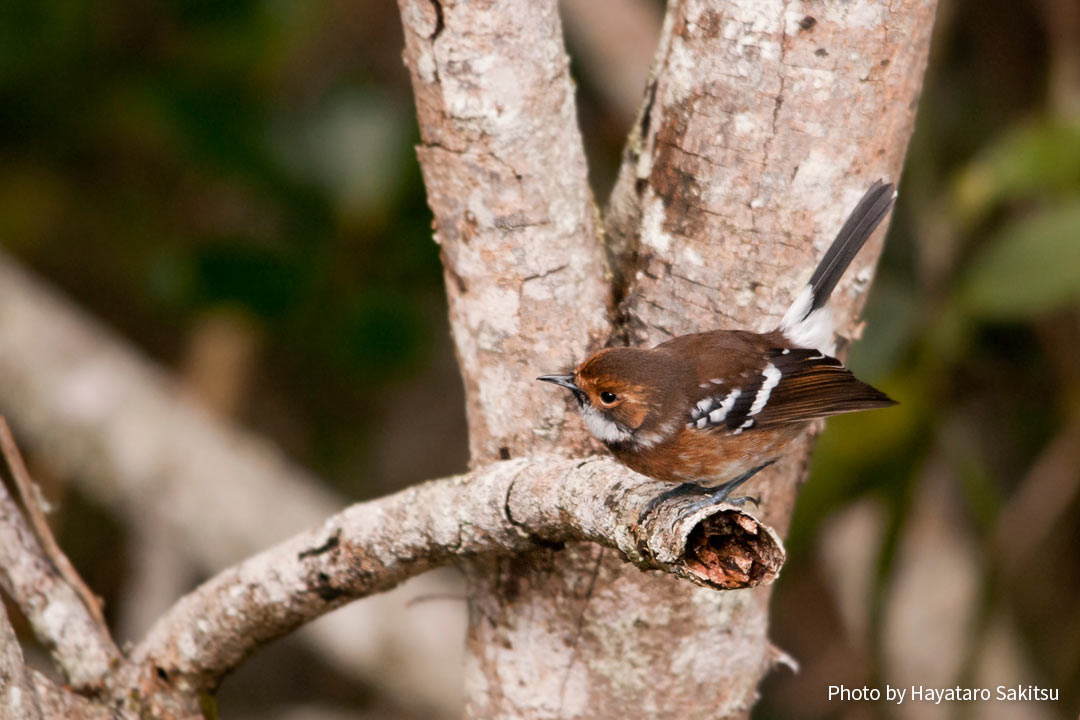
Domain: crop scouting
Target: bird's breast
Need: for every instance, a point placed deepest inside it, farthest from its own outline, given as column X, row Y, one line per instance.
column 707, row 457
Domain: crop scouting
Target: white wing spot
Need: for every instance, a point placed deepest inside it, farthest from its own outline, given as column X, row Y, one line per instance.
column 717, row 416
column 742, row 427
column 772, row 377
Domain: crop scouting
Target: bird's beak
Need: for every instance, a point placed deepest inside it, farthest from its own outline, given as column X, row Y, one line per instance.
column 566, row 381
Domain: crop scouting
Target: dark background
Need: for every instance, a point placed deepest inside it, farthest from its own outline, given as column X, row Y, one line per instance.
column 233, row 187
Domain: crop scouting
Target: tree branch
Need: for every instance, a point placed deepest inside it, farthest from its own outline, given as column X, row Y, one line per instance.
column 58, row 703
column 61, row 620
column 17, row 696
column 763, row 123
column 505, row 507
column 28, row 494
column 506, row 180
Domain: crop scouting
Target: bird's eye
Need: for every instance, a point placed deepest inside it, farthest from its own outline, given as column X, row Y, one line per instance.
column 608, row 397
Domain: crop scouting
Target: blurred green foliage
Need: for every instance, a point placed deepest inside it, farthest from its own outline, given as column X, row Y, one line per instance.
column 1039, row 157
column 163, row 160
column 1030, row 267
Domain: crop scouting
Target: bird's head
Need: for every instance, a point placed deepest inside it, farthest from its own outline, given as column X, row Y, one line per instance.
column 623, row 395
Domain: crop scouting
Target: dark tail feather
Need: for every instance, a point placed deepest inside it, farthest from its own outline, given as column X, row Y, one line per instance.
column 858, row 228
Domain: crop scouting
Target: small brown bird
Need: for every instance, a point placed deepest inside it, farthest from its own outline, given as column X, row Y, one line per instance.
column 711, row 409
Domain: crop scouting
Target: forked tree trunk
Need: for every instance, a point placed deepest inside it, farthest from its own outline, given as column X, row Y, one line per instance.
column 763, row 122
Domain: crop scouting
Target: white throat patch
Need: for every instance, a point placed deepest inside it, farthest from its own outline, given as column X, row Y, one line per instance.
column 602, row 427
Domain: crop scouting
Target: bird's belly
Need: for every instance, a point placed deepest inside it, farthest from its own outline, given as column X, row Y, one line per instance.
column 709, row 458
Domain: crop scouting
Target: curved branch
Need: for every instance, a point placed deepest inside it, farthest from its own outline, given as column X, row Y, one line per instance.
column 35, row 515
column 370, row 547
column 61, row 621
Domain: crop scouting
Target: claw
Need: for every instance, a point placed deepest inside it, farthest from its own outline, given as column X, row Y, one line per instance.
column 683, row 489
column 740, row 501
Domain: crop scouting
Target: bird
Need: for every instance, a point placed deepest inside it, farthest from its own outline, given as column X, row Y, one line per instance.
column 709, row 410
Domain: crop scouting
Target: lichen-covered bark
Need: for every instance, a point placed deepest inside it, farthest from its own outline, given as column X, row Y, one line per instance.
column 17, row 698
column 763, row 122
column 370, row 547
column 26, row 694
column 505, row 173
column 511, row 506
column 60, row 620
column 768, row 120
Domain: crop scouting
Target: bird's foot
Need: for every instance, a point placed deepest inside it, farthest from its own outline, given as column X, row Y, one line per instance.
column 716, row 499
column 715, row 496
column 677, row 491
column 738, row 501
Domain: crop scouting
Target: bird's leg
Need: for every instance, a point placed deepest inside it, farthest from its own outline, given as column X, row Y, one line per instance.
column 723, row 492
column 686, row 488
column 715, row 495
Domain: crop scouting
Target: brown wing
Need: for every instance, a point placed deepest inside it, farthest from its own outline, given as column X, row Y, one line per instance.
column 749, row 380
column 814, row 385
